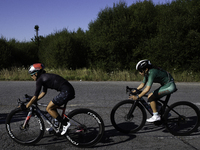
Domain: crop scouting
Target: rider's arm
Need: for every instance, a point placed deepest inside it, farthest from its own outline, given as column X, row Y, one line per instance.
column 35, row 98
column 141, row 86
column 145, row 91
column 42, row 94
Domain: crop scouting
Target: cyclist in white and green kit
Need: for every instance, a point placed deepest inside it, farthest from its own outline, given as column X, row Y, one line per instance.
column 154, row 75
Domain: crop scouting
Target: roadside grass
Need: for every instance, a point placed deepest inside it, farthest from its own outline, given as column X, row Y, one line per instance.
column 21, row 74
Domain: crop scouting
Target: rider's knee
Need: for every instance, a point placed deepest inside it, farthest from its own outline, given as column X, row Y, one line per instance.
column 47, row 109
column 151, row 97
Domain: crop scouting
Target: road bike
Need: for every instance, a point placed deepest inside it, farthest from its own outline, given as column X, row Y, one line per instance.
column 180, row 119
column 27, row 127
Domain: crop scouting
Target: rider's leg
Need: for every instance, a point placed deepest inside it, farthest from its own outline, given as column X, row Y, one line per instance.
column 62, row 98
column 151, row 99
column 158, row 93
column 156, row 116
column 52, row 109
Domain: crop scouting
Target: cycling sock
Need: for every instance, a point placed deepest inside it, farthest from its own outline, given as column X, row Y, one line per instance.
column 63, row 121
column 155, row 114
column 59, row 118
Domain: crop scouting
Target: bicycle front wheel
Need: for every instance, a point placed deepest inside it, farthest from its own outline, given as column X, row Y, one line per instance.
column 123, row 123
column 86, row 128
column 182, row 118
column 29, row 134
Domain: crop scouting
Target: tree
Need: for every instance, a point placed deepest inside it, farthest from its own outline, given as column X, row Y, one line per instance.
column 36, row 29
column 5, row 54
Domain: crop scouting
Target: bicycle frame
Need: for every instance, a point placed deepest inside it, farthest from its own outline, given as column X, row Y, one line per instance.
column 36, row 109
column 85, row 127
column 146, row 105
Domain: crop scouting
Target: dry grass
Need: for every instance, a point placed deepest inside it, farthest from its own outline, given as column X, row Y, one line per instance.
column 21, row 74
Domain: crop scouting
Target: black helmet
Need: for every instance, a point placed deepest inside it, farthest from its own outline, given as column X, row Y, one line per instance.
column 143, row 64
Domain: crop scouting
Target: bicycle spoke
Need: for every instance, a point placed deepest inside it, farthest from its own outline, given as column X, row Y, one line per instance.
column 28, row 134
column 88, row 129
column 183, row 119
column 125, row 122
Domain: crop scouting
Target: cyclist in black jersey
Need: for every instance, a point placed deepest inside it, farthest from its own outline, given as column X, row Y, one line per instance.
column 46, row 81
column 154, row 75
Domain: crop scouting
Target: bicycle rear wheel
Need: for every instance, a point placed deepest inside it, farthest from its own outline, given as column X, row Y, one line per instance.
column 124, row 124
column 182, row 118
column 86, row 128
column 32, row 132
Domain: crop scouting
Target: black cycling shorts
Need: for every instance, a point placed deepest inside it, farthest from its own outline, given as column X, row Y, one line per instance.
column 62, row 98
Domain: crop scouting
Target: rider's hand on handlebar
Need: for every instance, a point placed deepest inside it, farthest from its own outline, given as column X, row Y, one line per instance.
column 28, row 97
column 133, row 91
column 133, row 97
column 23, row 106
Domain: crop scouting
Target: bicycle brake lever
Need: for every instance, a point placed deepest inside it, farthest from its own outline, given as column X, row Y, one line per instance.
column 19, row 101
column 127, row 89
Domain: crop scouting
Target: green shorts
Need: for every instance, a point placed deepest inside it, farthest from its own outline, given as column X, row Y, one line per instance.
column 164, row 90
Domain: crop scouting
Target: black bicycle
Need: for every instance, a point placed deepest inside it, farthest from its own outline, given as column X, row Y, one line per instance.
column 180, row 118
column 27, row 126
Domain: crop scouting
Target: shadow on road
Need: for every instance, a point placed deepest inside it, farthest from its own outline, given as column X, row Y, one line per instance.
column 3, row 118
column 111, row 137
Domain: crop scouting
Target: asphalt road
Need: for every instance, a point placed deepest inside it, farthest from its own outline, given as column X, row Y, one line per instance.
column 101, row 97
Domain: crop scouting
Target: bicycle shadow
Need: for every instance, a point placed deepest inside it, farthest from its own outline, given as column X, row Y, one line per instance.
column 113, row 137
column 110, row 137
column 148, row 128
column 3, row 118
column 17, row 117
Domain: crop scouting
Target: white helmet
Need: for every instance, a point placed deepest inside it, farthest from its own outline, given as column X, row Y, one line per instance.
column 143, row 64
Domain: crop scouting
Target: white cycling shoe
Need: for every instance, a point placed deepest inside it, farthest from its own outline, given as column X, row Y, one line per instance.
column 65, row 128
column 154, row 118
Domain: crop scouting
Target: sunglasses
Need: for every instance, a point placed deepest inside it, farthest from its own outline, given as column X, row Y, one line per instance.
column 32, row 74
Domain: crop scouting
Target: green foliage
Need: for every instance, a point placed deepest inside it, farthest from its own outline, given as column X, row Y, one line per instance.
column 167, row 34
column 5, row 54
column 22, row 53
column 64, row 49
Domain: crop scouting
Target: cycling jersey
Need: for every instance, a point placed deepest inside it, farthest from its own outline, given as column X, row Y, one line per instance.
column 164, row 78
column 53, row 81
column 157, row 76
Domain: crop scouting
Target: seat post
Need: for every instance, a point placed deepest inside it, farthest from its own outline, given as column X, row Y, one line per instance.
column 167, row 98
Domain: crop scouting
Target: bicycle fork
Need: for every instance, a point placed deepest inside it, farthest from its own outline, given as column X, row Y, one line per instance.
column 130, row 113
column 27, row 118
column 144, row 103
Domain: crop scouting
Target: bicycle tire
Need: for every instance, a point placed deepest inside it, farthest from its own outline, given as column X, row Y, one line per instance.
column 30, row 135
column 186, row 123
column 87, row 131
column 119, row 117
